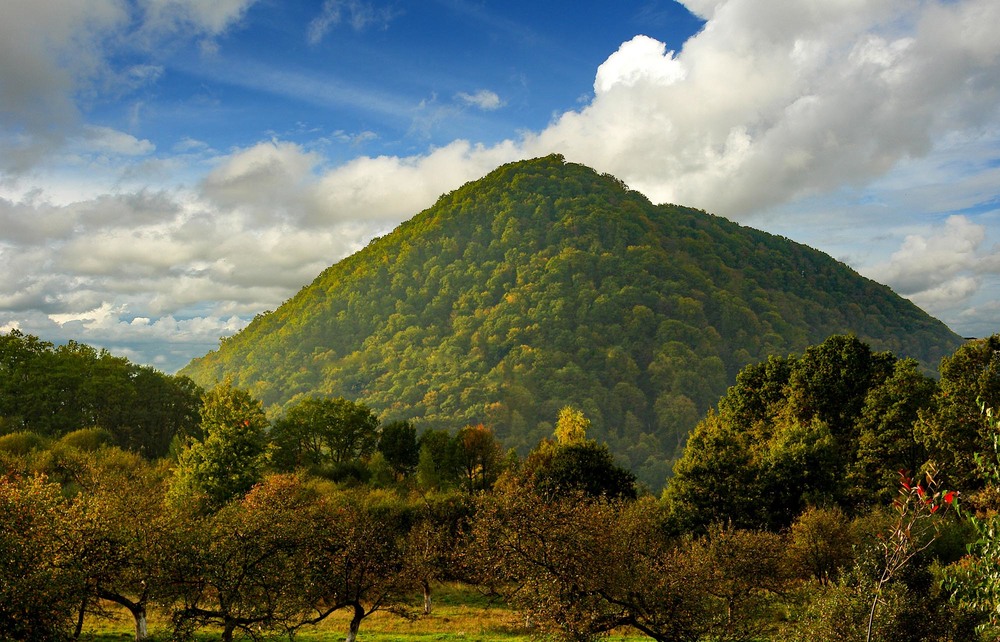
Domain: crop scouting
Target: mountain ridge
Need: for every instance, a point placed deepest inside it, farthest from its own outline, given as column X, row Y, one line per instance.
column 545, row 284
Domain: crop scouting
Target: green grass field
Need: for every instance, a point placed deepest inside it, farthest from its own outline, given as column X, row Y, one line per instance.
column 459, row 614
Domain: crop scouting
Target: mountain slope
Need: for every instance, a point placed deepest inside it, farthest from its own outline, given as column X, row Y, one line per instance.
column 545, row 284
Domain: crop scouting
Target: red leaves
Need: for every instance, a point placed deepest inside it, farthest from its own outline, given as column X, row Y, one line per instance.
column 922, row 495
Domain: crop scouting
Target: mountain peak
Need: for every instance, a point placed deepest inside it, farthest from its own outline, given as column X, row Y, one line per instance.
column 546, row 284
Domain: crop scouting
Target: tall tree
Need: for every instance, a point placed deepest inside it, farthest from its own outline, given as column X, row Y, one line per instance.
column 953, row 429
column 481, row 456
column 229, row 460
column 398, row 444
column 325, row 431
column 42, row 591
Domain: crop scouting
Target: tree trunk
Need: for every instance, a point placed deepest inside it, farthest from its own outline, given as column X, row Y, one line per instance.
column 79, row 619
column 427, row 596
column 352, row 632
column 227, row 632
column 137, row 609
column 141, row 626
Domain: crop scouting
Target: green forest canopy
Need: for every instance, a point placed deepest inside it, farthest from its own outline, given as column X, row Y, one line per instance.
column 545, row 284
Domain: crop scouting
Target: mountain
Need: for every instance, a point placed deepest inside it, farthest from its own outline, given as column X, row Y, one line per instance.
column 546, row 284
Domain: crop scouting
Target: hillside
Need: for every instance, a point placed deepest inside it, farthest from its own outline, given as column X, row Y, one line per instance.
column 545, row 284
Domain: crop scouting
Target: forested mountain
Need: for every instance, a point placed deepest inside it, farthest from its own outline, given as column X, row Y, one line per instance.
column 546, row 284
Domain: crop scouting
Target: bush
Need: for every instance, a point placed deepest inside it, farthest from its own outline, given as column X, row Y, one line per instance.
column 23, row 442
column 88, row 439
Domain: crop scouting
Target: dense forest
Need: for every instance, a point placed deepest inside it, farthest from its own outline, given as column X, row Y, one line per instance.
column 545, row 284
column 839, row 493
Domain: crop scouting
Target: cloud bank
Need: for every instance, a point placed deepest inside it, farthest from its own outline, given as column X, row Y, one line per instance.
column 771, row 106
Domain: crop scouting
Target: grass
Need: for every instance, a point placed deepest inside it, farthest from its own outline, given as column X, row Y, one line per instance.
column 460, row 614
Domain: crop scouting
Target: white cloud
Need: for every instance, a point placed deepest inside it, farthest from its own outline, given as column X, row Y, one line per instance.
column 770, row 108
column 942, row 269
column 56, row 54
column 388, row 189
column 359, row 15
column 642, row 59
column 269, row 179
column 774, row 101
column 105, row 140
column 930, row 260
column 483, row 99
column 201, row 17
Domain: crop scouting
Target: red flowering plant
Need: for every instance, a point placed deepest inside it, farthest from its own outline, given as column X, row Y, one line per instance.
column 918, row 507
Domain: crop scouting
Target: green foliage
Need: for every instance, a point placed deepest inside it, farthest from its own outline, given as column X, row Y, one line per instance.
column 953, row 428
column 568, row 469
column 323, row 432
column 41, row 586
column 546, row 284
column 975, row 580
column 23, row 442
column 398, row 444
column 54, row 390
column 820, row 544
column 798, row 431
column 438, row 464
column 229, row 460
column 89, row 439
column 480, row 457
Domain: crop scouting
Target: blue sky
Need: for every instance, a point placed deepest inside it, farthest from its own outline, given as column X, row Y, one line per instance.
column 170, row 168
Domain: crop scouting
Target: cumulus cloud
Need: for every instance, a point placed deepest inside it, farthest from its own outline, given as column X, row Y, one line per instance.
column 53, row 54
column 773, row 101
column 770, row 104
column 943, row 268
column 268, row 179
column 642, row 59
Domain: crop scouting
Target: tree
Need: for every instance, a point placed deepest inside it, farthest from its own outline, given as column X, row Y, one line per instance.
column 953, row 429
column 716, row 476
column 832, row 380
column 887, row 441
column 587, row 467
column 580, row 567
column 42, row 591
column 434, row 542
column 481, row 456
column 55, row 390
column 323, row 432
column 820, row 543
column 975, row 580
column 357, row 560
column 438, row 462
column 571, row 427
column 398, row 444
column 229, row 460
column 123, row 532
column 799, row 431
column 245, row 566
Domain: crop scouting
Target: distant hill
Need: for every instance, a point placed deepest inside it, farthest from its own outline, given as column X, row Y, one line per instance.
column 546, row 284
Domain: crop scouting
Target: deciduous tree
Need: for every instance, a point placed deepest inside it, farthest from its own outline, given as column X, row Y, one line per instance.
column 229, row 460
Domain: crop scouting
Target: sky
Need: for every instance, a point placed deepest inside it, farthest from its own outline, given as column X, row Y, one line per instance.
column 171, row 168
